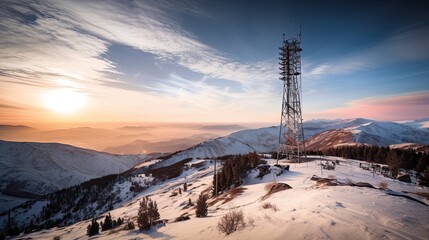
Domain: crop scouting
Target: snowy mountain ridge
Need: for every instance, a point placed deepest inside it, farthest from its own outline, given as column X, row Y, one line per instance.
column 319, row 134
column 365, row 131
column 28, row 169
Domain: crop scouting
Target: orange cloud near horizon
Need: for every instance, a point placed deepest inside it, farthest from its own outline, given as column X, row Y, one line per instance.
column 392, row 108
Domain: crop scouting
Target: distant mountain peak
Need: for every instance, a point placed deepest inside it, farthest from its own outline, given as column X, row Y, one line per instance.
column 223, row 127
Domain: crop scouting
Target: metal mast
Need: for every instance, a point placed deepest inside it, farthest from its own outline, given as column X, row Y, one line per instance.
column 291, row 134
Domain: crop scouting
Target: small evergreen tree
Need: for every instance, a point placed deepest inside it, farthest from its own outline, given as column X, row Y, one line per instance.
column 108, row 223
column 185, row 187
column 202, row 208
column 422, row 163
column 120, row 221
column 153, row 212
column 394, row 162
column 93, row 228
column 180, row 190
column 147, row 214
column 143, row 216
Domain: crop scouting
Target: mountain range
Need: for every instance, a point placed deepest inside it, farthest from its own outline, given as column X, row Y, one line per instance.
column 32, row 169
column 29, row 170
column 319, row 135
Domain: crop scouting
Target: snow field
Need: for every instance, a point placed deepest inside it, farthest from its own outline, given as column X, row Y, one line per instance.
column 306, row 211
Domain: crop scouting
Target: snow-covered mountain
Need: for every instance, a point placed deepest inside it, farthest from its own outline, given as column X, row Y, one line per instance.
column 241, row 142
column 24, row 165
column 320, row 134
column 28, row 169
column 366, row 131
column 419, row 123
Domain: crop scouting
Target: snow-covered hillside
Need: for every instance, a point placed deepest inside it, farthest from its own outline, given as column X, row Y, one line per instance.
column 241, row 142
column 309, row 210
column 28, row 169
column 366, row 131
column 422, row 123
column 320, row 134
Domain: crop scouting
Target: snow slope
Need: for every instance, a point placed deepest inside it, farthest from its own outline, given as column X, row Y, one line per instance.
column 242, row 142
column 307, row 211
column 28, row 169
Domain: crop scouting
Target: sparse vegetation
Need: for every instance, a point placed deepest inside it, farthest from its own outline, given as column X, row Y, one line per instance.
column 110, row 223
column 135, row 187
column 395, row 158
column 268, row 205
column 234, row 170
column 251, row 221
column 168, row 172
column 129, row 225
column 231, row 222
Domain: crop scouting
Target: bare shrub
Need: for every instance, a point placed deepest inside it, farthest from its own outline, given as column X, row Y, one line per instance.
column 268, row 205
column 129, row 225
column 382, row 185
column 231, row 222
column 251, row 221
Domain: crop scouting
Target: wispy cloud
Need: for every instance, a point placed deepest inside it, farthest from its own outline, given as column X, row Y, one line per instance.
column 148, row 28
column 45, row 46
column 7, row 106
column 399, row 107
column 47, row 40
column 404, row 46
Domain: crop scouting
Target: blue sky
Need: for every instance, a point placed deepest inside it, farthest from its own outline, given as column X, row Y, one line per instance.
column 210, row 61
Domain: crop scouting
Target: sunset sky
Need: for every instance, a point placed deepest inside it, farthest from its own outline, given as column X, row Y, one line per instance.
column 209, row 61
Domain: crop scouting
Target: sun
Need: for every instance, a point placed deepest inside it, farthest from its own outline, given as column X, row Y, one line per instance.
column 64, row 100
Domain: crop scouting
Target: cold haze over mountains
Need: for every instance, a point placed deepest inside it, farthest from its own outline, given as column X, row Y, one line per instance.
column 174, row 120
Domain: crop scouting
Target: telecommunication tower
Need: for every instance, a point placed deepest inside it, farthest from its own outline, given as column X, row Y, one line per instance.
column 291, row 134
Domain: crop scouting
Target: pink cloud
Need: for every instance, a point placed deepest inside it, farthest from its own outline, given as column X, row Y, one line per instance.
column 393, row 108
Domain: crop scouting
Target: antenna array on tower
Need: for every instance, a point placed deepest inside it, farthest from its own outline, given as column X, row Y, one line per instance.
column 291, row 134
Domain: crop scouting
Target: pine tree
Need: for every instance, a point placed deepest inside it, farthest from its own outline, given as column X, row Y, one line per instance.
column 93, row 228
column 108, row 223
column 380, row 156
column 120, row 221
column 143, row 216
column 153, row 212
column 147, row 214
column 202, row 208
column 393, row 161
column 185, row 187
column 422, row 163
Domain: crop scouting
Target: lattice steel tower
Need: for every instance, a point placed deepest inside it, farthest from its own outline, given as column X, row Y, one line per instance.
column 291, row 135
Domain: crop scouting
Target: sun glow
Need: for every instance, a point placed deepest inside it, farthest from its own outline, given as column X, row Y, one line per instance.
column 64, row 100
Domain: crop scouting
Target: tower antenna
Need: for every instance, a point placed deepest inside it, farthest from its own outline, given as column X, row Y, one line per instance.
column 291, row 133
